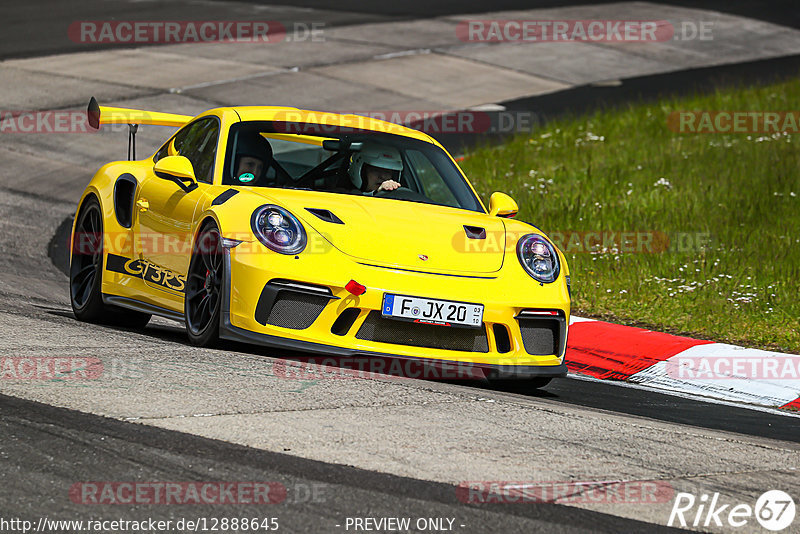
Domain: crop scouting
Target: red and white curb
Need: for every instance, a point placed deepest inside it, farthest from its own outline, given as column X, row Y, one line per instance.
column 608, row 351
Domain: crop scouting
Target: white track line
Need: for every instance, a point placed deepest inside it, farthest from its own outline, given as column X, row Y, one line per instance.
column 685, row 395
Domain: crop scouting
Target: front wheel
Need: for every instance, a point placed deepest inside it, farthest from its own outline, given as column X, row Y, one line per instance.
column 204, row 288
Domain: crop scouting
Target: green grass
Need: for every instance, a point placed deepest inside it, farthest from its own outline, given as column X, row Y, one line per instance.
column 625, row 170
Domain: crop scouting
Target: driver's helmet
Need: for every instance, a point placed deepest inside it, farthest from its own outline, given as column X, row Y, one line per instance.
column 381, row 156
column 251, row 144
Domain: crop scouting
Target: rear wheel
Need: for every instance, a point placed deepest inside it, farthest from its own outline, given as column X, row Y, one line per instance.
column 86, row 273
column 204, row 288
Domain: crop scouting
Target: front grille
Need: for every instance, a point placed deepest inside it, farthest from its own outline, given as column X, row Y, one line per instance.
column 295, row 310
column 540, row 337
column 378, row 328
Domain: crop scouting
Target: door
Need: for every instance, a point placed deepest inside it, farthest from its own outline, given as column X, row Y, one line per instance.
column 166, row 211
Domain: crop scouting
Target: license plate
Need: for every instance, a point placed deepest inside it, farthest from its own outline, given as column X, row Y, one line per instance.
column 432, row 311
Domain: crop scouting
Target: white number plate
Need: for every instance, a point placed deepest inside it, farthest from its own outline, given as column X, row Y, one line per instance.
column 432, row 311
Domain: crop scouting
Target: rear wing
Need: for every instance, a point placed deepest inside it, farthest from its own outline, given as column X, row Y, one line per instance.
column 98, row 115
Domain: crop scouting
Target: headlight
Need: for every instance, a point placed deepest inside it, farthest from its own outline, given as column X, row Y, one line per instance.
column 278, row 229
column 538, row 257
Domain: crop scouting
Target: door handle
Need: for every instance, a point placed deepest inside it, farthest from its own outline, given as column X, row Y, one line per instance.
column 143, row 204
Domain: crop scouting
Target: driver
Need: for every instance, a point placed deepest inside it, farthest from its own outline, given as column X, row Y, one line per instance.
column 376, row 168
column 252, row 154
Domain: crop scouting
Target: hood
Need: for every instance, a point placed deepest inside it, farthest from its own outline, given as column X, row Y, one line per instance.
column 397, row 233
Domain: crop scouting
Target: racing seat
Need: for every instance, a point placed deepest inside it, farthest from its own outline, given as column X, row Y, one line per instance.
column 253, row 145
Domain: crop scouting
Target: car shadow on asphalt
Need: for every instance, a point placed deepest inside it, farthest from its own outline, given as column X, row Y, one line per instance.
column 297, row 364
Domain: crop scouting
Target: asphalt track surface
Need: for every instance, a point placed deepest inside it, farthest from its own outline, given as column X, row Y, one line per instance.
column 40, row 28
column 53, row 447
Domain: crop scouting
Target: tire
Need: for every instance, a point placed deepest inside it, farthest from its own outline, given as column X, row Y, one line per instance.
column 520, row 385
column 204, row 281
column 86, row 274
column 538, row 382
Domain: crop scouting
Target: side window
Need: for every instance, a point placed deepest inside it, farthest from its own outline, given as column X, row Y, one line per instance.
column 197, row 142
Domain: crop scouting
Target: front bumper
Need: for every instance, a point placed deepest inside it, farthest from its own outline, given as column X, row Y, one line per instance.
column 503, row 295
column 497, row 371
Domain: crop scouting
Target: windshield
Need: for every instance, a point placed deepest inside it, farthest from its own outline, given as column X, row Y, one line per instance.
column 260, row 154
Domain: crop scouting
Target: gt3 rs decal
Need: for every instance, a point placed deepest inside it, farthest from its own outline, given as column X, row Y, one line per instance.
column 147, row 271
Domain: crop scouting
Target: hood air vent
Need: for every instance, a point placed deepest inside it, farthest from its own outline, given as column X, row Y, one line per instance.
column 325, row 215
column 475, row 232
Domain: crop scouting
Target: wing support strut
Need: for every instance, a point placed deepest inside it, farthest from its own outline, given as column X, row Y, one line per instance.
column 132, row 129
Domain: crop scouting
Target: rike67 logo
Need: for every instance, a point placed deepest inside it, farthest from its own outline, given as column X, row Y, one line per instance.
column 774, row 510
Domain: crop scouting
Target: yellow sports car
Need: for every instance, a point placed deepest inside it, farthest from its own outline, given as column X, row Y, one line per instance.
column 332, row 234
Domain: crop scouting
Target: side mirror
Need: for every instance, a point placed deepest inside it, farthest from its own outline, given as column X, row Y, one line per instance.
column 176, row 169
column 502, row 205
